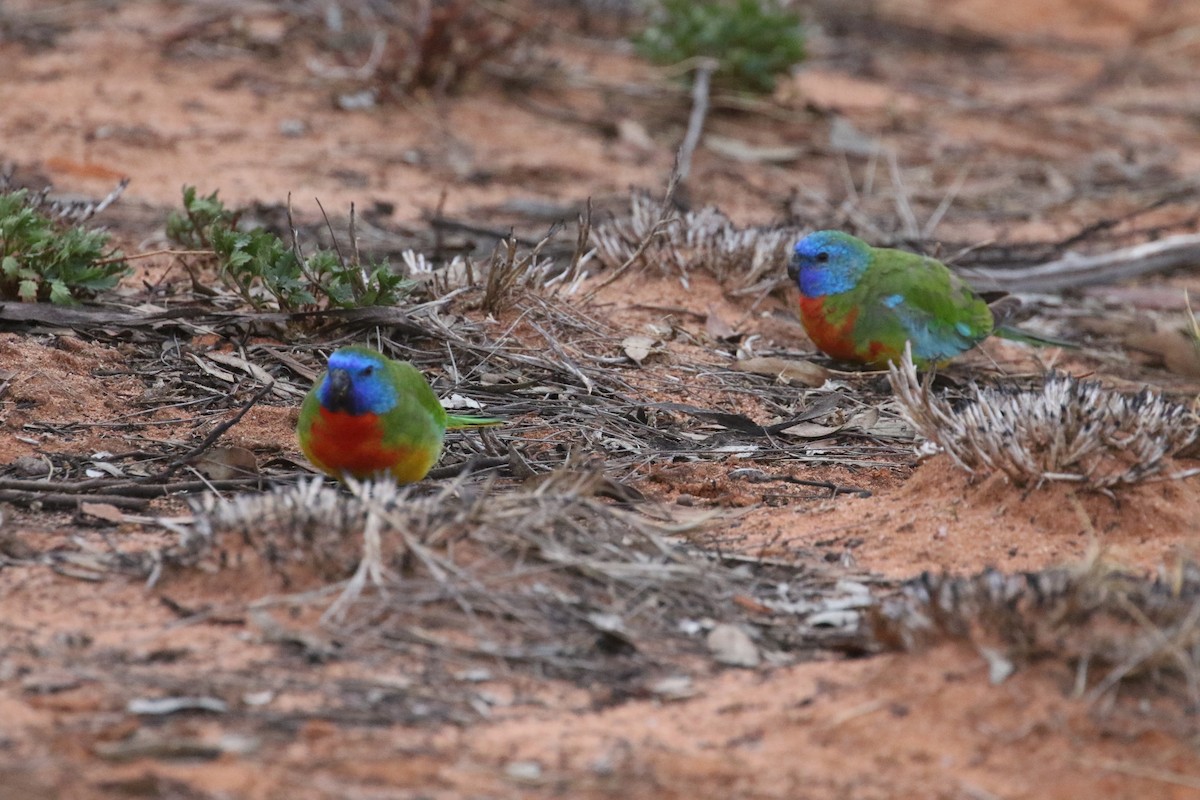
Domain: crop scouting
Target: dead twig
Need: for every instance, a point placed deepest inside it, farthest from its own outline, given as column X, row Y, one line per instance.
column 60, row 500
column 1074, row 271
column 654, row 232
column 121, row 488
column 705, row 67
column 207, row 442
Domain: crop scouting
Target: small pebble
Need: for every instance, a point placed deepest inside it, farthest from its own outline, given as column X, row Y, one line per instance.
column 293, row 128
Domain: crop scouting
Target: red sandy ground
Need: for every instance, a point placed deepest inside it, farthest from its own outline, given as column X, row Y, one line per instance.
column 106, row 102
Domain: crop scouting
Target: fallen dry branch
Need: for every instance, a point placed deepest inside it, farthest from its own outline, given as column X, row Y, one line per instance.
column 116, row 487
column 1074, row 270
column 89, row 318
column 65, row 501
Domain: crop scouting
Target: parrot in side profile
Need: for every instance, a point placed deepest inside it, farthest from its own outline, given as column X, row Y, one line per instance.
column 860, row 304
column 369, row 415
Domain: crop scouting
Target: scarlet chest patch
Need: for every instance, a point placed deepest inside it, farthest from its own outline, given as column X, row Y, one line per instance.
column 834, row 339
column 351, row 443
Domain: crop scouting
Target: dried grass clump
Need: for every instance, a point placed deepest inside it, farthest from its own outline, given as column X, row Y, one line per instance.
column 1070, row 430
column 507, row 275
column 696, row 240
column 66, row 209
column 511, row 273
column 532, row 575
column 1094, row 617
column 310, row 526
column 554, row 578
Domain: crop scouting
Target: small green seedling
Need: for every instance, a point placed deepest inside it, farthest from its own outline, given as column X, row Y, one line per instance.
column 267, row 274
column 43, row 259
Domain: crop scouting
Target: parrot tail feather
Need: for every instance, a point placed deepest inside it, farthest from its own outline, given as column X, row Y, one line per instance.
column 1018, row 335
column 455, row 422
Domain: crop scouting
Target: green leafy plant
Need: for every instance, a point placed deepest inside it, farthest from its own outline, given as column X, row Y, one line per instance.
column 754, row 40
column 266, row 273
column 42, row 259
column 200, row 215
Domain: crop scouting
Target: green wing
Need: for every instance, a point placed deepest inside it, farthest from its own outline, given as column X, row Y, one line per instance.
column 308, row 413
column 415, row 390
column 418, row 419
column 918, row 299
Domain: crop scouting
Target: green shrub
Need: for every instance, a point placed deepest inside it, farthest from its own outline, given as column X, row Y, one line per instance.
column 41, row 259
column 267, row 273
column 754, row 40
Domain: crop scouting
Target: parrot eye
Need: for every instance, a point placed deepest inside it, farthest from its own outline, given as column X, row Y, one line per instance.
column 822, row 257
column 368, row 371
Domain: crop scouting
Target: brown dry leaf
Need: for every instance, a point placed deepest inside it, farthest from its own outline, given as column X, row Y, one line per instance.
column 867, row 420
column 845, row 138
column 13, row 546
column 32, row 466
column 1108, row 325
column 740, row 150
column 633, row 133
column 732, row 646
column 638, row 347
column 811, row 430
column 871, row 422
column 105, row 511
column 784, row 370
column 226, row 463
column 717, row 328
column 1177, row 350
column 255, row 371
column 215, row 371
column 750, row 604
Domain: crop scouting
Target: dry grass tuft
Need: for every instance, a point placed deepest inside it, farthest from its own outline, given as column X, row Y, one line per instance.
column 554, row 578
column 518, row 573
column 308, row 526
column 696, row 240
column 69, row 210
column 1094, row 617
column 1070, row 430
column 510, row 273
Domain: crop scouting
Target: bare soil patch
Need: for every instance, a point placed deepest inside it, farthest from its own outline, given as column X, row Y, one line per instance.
column 1010, row 136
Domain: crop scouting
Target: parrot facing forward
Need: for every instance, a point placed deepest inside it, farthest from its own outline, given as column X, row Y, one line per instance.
column 860, row 304
column 369, row 414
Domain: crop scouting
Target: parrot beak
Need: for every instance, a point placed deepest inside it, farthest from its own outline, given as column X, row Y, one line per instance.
column 337, row 388
column 793, row 269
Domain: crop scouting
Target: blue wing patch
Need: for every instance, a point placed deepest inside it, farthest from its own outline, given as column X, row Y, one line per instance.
column 930, row 341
